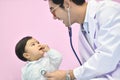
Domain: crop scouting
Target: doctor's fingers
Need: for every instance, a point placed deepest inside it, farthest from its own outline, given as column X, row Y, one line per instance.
column 56, row 75
column 50, row 76
column 51, row 79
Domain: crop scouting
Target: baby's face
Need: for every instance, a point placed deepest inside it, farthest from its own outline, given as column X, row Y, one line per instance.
column 34, row 49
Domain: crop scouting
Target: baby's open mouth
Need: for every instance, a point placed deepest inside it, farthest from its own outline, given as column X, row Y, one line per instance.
column 41, row 48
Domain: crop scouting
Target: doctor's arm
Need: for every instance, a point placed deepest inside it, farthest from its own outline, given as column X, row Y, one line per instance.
column 60, row 75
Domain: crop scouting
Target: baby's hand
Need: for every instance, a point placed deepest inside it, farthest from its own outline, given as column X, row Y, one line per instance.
column 45, row 47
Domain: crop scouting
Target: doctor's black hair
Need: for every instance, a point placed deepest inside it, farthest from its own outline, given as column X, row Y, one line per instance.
column 20, row 48
column 61, row 2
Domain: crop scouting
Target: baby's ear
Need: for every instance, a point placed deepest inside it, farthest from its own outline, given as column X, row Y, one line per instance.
column 26, row 55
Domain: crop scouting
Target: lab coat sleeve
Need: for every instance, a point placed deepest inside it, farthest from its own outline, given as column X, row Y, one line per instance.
column 55, row 57
column 107, row 54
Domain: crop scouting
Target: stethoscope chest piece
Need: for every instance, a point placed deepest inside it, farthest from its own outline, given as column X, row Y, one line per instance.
column 43, row 72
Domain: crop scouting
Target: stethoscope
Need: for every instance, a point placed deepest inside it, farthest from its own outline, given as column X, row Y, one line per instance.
column 70, row 36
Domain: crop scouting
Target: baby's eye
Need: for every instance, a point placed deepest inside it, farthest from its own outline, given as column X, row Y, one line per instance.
column 33, row 44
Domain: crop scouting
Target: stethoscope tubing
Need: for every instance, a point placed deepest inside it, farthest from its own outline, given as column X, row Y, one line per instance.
column 70, row 36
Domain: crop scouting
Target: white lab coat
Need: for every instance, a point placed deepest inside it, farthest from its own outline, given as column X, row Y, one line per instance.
column 32, row 70
column 100, row 51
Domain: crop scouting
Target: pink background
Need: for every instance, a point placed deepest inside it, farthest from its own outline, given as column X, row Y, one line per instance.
column 19, row 18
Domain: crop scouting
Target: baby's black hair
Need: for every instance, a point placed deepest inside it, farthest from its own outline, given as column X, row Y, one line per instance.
column 20, row 47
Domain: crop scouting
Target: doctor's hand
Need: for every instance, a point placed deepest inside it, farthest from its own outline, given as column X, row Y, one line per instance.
column 56, row 75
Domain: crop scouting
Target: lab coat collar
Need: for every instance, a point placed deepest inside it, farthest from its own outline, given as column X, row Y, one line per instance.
column 91, row 10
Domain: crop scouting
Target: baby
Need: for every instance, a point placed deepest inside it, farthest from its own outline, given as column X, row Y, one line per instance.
column 39, row 57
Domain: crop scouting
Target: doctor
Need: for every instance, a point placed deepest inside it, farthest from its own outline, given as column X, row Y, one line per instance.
column 99, row 38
